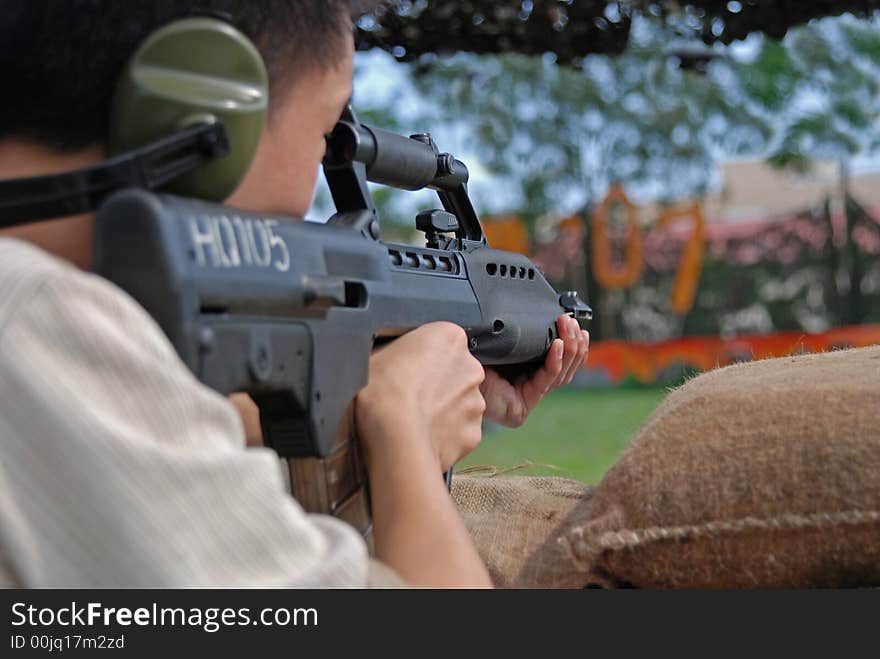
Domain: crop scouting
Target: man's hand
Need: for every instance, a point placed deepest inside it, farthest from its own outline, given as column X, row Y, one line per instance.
column 510, row 404
column 426, row 380
column 420, row 412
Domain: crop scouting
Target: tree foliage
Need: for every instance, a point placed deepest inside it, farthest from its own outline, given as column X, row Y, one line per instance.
column 552, row 138
column 571, row 30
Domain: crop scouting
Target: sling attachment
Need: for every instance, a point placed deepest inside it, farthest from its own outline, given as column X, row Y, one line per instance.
column 152, row 166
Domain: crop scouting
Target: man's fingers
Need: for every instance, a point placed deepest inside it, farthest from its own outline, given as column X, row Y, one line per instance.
column 511, row 405
column 543, row 380
column 553, row 365
column 580, row 353
column 494, row 390
column 501, row 398
column 569, row 335
column 584, row 345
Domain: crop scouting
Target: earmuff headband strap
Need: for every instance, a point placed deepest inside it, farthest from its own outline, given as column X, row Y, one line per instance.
column 151, row 166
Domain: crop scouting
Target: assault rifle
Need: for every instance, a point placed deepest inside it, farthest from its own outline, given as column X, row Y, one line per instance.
column 289, row 312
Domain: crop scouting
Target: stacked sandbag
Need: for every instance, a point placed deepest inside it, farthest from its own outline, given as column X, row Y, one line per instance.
column 517, row 523
column 758, row 475
column 764, row 474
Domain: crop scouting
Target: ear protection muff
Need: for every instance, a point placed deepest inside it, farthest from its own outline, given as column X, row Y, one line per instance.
column 194, row 71
column 187, row 116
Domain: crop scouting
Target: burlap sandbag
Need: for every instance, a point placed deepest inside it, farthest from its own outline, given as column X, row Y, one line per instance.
column 765, row 474
column 518, row 523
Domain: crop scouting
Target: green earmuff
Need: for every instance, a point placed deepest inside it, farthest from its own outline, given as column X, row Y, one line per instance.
column 194, row 70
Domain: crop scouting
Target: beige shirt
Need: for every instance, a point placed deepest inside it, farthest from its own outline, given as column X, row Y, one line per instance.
column 118, row 468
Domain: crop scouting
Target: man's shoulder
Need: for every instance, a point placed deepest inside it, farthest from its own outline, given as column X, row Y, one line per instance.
column 24, row 270
column 22, row 263
column 39, row 289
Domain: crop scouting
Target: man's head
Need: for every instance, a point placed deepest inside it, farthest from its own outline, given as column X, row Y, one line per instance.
column 59, row 64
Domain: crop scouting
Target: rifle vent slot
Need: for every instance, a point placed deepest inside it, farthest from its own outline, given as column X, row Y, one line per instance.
column 431, row 262
column 491, row 269
column 355, row 295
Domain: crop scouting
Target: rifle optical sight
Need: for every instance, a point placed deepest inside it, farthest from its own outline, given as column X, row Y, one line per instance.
column 407, row 163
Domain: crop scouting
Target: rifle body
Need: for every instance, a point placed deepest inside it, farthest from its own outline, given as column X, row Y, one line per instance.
column 289, row 312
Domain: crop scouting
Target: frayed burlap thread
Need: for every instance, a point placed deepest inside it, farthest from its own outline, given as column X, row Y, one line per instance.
column 764, row 474
column 517, row 523
column 665, row 556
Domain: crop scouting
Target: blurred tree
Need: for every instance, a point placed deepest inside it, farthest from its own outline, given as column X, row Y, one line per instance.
column 558, row 135
column 552, row 137
column 570, row 30
column 564, row 134
column 831, row 73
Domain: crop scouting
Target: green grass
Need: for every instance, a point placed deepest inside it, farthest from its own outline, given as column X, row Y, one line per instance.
column 579, row 433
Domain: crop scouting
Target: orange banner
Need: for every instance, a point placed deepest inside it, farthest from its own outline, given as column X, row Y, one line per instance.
column 608, row 273
column 508, row 233
column 616, row 362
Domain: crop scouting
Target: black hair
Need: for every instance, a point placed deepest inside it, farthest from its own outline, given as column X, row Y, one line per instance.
column 60, row 59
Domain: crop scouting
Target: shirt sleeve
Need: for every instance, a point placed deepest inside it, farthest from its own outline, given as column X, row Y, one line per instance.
column 120, row 469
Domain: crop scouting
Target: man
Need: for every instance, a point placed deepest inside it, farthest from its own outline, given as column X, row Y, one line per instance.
column 116, row 466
